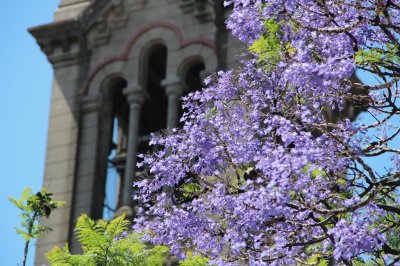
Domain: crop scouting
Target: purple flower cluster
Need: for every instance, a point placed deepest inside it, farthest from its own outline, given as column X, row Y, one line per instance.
column 259, row 174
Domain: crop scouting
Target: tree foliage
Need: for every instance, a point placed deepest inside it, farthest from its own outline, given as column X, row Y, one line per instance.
column 194, row 260
column 278, row 179
column 33, row 207
column 108, row 243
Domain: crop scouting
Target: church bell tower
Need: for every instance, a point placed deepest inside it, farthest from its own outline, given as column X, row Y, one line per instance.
column 120, row 69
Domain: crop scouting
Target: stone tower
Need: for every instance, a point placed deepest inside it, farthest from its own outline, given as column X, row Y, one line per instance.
column 120, row 67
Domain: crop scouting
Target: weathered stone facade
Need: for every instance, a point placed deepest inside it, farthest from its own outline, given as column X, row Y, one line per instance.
column 118, row 60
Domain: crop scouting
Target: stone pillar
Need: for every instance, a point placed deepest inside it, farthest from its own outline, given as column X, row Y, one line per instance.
column 174, row 90
column 135, row 97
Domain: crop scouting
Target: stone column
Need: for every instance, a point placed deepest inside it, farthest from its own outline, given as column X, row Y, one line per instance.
column 174, row 90
column 135, row 97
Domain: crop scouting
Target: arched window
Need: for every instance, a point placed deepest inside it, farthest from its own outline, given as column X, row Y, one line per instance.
column 153, row 118
column 154, row 110
column 192, row 76
column 116, row 116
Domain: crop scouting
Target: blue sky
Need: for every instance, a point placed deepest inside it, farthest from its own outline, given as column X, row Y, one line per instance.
column 24, row 108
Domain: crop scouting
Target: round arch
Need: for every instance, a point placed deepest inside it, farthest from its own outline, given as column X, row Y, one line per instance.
column 191, row 73
column 166, row 32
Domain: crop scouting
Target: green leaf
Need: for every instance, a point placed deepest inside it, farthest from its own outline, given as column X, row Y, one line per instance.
column 318, row 260
column 25, row 194
column 190, row 189
column 269, row 47
column 191, row 260
column 24, row 234
column 91, row 234
column 62, row 257
column 16, row 203
column 385, row 55
column 116, row 227
column 316, row 172
column 212, row 112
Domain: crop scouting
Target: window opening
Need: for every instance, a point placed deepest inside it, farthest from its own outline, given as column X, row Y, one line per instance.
column 193, row 78
column 154, row 110
column 117, row 151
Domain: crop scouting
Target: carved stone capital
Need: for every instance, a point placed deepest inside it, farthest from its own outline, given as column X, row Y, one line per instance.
column 173, row 86
column 135, row 95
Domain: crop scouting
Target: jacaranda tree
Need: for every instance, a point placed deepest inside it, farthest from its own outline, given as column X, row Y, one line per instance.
column 259, row 174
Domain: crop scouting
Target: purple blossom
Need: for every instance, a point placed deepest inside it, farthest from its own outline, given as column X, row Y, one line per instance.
column 266, row 170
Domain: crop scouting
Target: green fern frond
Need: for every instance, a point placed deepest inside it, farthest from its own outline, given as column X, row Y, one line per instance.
column 102, row 245
column 116, row 227
column 62, row 257
column 91, row 234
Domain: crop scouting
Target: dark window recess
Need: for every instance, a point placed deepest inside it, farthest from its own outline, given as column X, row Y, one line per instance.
column 193, row 79
column 154, row 111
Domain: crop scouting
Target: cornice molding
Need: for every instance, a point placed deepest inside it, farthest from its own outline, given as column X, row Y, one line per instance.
column 62, row 41
column 66, row 41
